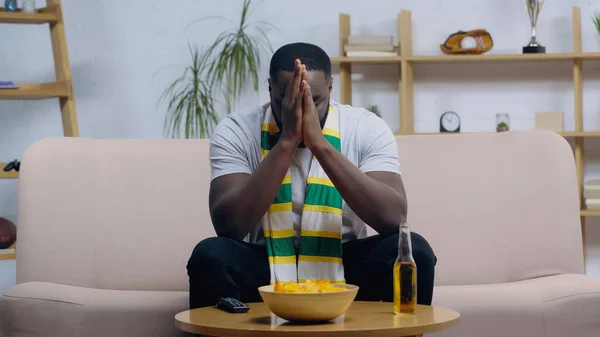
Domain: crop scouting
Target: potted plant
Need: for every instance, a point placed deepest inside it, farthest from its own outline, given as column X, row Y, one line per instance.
column 225, row 67
column 502, row 122
column 190, row 101
column 374, row 109
column 501, row 127
column 596, row 20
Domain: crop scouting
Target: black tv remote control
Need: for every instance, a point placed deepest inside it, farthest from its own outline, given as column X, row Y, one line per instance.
column 232, row 305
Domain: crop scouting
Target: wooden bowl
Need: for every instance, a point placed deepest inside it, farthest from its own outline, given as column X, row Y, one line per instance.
column 309, row 307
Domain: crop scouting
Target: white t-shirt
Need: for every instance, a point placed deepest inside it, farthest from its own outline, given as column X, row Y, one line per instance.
column 366, row 140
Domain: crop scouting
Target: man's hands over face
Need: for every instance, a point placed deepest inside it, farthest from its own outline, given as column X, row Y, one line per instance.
column 291, row 108
column 311, row 126
column 300, row 119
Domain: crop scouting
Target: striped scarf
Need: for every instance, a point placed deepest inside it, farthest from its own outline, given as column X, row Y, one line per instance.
column 320, row 249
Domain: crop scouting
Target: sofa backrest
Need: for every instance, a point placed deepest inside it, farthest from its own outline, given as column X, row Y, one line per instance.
column 112, row 214
column 126, row 214
column 495, row 207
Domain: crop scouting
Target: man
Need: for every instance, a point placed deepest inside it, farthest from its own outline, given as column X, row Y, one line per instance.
column 294, row 185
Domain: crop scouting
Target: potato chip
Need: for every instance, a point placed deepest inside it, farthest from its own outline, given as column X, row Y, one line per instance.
column 310, row 286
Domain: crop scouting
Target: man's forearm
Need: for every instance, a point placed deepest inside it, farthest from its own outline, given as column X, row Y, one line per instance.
column 379, row 205
column 239, row 210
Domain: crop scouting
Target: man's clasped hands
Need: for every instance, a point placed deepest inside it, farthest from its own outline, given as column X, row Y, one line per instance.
column 299, row 115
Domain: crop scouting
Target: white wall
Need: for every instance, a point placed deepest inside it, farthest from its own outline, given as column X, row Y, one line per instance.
column 124, row 53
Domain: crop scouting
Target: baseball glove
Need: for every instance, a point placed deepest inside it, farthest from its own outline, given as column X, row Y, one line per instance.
column 479, row 41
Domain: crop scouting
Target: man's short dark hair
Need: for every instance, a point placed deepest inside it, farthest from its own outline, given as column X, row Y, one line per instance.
column 312, row 56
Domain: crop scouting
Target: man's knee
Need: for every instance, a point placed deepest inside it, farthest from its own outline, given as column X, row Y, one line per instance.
column 208, row 252
column 422, row 251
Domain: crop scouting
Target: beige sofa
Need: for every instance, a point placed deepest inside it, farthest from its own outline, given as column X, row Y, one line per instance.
column 106, row 228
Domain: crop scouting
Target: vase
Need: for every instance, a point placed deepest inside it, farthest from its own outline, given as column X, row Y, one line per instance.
column 28, row 6
column 10, row 5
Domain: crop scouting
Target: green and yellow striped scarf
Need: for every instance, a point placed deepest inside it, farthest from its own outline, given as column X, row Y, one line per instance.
column 320, row 249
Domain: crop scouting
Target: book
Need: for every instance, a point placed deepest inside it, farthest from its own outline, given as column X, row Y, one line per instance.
column 591, row 193
column 370, row 39
column 593, row 182
column 591, row 189
column 592, row 203
column 371, row 53
column 369, row 47
column 8, row 85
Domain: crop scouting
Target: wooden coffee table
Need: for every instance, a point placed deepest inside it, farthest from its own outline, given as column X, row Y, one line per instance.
column 363, row 319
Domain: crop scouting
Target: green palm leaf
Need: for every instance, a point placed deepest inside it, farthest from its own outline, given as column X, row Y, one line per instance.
column 237, row 57
column 225, row 67
column 190, row 101
column 596, row 20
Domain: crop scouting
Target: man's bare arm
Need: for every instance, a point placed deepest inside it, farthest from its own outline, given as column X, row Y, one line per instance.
column 238, row 201
column 378, row 198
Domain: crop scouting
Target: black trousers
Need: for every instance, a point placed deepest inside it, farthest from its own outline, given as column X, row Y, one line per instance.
column 221, row 267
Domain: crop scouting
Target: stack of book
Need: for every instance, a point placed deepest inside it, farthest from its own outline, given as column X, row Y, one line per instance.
column 591, row 194
column 370, row 46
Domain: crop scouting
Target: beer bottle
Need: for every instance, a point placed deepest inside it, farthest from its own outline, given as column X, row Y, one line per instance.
column 405, row 275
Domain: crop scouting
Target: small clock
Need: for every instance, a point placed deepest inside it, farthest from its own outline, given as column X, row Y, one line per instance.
column 450, row 122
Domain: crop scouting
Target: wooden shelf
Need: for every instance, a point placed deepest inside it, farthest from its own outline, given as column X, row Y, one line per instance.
column 37, row 91
column 444, row 133
column 564, row 134
column 580, row 134
column 501, row 58
column 590, row 212
column 441, row 59
column 8, row 256
column 385, row 60
column 587, row 56
column 10, row 253
column 44, row 15
column 7, row 175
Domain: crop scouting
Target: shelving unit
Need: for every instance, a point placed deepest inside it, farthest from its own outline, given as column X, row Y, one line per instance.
column 62, row 88
column 406, row 61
